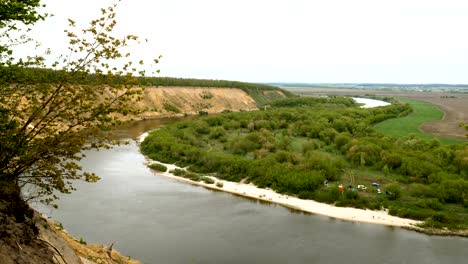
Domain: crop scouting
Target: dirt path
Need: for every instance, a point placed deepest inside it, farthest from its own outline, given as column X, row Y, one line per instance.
column 454, row 106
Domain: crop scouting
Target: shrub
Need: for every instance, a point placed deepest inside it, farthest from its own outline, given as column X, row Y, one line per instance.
column 206, row 95
column 351, row 195
column 202, row 127
column 207, row 180
column 410, row 213
column 170, row 107
column 393, row 191
column 178, row 172
column 217, row 132
column 158, row 167
column 305, row 195
column 440, row 217
column 192, row 176
column 219, row 184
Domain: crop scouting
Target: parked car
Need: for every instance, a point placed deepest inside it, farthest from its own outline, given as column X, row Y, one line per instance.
column 379, row 191
column 362, row 187
column 375, row 184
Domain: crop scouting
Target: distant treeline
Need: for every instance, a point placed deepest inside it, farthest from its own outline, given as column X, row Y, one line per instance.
column 41, row 76
column 371, row 85
column 38, row 75
column 448, row 88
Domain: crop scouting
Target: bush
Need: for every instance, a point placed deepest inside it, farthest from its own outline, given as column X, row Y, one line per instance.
column 393, row 191
column 171, row 108
column 206, row 95
column 192, row 176
column 306, row 195
column 158, row 167
column 217, row 132
column 82, row 241
column 351, row 195
column 178, row 172
column 207, row 180
column 330, row 195
column 219, row 184
column 440, row 217
column 410, row 213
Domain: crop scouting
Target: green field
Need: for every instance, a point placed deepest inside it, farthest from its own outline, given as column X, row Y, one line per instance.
column 404, row 126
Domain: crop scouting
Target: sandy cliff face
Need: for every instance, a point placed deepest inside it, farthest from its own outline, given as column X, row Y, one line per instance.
column 162, row 101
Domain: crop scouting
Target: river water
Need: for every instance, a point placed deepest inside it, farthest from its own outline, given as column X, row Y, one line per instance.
column 160, row 220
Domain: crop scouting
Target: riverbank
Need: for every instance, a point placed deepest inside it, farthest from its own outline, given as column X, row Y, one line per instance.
column 70, row 250
column 212, row 156
column 310, row 206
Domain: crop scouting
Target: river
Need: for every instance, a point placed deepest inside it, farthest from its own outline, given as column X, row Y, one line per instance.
column 160, row 220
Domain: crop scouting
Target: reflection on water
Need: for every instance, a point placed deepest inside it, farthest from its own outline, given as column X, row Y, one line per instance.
column 160, row 220
column 134, row 129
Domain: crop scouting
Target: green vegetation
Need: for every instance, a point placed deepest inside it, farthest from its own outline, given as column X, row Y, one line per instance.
column 82, row 241
column 308, row 146
column 192, row 176
column 158, row 167
column 466, row 128
column 408, row 125
column 170, row 107
column 45, row 125
column 207, row 180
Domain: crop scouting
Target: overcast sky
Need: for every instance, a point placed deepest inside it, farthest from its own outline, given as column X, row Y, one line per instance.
column 398, row 41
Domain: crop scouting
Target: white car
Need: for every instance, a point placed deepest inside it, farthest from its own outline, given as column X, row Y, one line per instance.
column 362, row 187
column 379, row 191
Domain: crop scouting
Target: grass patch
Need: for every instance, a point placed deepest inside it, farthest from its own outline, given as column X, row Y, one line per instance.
column 422, row 112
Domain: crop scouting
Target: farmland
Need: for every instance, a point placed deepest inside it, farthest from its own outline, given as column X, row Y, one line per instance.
column 454, row 106
column 422, row 112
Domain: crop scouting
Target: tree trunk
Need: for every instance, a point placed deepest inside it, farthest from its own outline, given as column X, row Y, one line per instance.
column 12, row 202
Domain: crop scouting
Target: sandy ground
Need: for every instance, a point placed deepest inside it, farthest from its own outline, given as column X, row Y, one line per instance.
column 252, row 191
column 344, row 213
column 191, row 100
column 74, row 252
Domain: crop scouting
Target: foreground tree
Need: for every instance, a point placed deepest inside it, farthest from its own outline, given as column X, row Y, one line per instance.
column 46, row 122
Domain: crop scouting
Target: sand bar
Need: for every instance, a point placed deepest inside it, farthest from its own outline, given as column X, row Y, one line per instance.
column 344, row 213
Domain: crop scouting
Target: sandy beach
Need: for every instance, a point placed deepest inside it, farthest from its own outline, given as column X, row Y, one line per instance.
column 344, row 213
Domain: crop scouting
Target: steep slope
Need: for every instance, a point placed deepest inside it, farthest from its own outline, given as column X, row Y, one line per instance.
column 170, row 101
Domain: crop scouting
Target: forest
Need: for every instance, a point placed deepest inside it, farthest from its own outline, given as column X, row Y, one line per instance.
column 308, row 147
